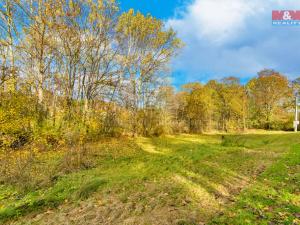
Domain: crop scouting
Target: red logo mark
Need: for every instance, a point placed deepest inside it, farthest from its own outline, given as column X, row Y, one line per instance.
column 286, row 15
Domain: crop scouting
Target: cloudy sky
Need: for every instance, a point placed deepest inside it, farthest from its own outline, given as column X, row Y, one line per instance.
column 227, row 37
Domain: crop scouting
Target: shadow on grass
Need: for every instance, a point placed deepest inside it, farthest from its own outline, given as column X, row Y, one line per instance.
column 210, row 173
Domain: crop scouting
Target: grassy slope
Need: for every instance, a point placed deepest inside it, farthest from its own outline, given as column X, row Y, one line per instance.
column 275, row 196
column 186, row 179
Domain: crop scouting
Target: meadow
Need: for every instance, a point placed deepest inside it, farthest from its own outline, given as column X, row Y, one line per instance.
column 178, row 179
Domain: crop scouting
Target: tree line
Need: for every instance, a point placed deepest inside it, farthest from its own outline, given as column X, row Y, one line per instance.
column 264, row 102
column 76, row 70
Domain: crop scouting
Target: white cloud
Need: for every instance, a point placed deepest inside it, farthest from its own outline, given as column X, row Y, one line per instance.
column 235, row 37
column 214, row 20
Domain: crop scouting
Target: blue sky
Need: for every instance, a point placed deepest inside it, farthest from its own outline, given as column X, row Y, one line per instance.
column 227, row 37
column 163, row 9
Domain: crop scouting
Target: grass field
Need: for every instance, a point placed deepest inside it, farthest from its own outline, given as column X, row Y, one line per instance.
column 184, row 179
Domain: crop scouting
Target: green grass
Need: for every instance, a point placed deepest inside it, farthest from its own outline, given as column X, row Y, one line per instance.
column 89, row 188
column 273, row 199
column 184, row 179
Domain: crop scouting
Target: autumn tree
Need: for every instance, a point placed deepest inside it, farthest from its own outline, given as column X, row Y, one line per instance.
column 8, row 41
column 198, row 107
column 101, row 73
column 146, row 48
column 230, row 102
column 38, row 47
column 269, row 94
column 74, row 68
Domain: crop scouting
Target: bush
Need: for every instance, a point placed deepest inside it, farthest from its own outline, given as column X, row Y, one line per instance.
column 17, row 119
column 180, row 127
column 160, row 130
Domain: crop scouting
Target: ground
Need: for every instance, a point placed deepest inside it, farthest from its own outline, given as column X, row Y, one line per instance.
column 182, row 179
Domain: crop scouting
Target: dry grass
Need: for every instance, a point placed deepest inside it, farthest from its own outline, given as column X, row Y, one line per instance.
column 185, row 179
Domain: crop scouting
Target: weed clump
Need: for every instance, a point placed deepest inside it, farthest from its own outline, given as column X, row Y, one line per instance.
column 229, row 141
column 89, row 188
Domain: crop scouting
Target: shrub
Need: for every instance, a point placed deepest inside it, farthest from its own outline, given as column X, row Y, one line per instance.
column 160, row 130
column 17, row 119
